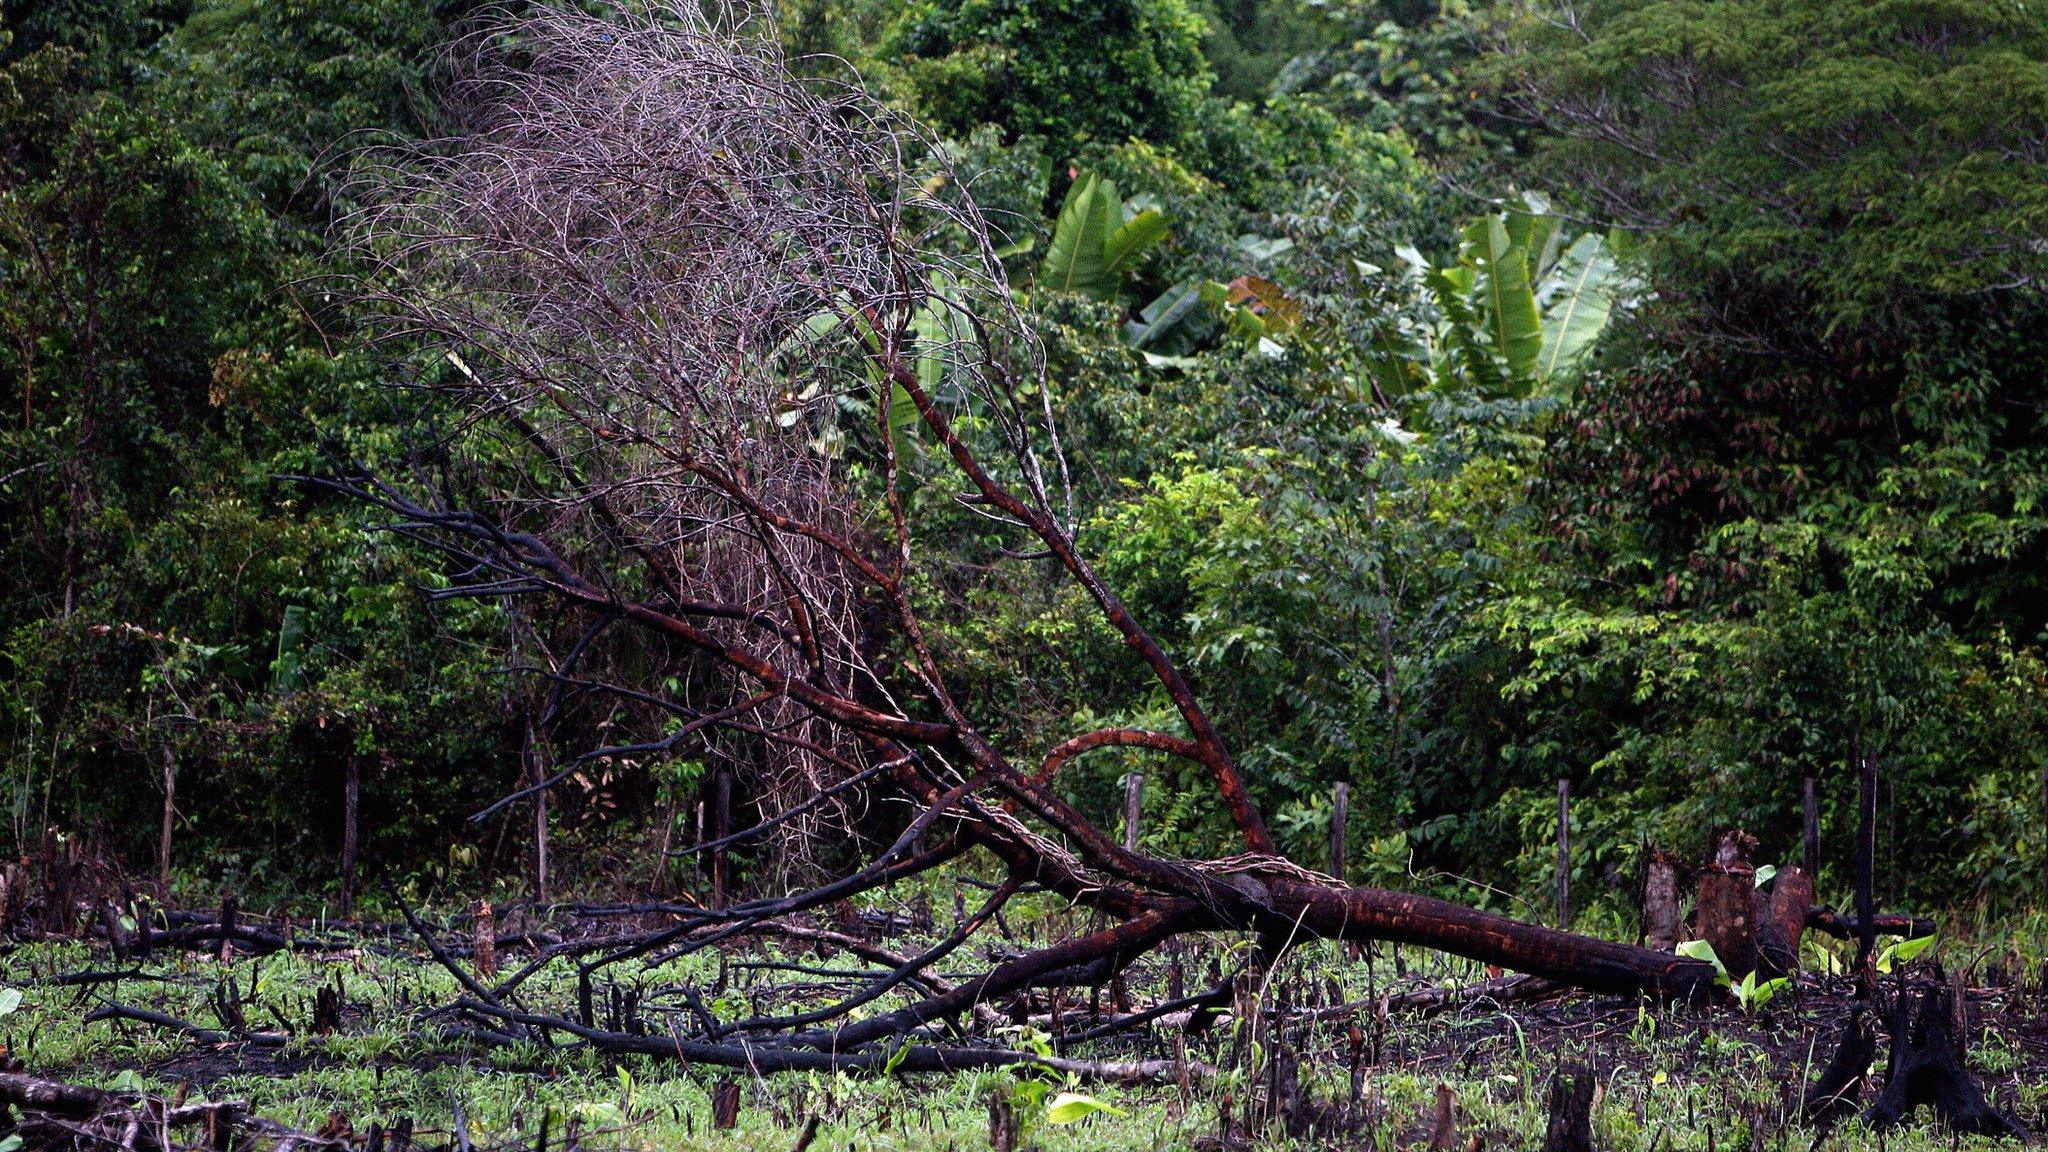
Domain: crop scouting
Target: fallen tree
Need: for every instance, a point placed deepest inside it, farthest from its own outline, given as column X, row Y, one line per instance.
column 54, row 1114
column 726, row 326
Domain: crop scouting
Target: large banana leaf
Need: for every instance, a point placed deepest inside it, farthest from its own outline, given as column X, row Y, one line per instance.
column 1578, row 298
column 1076, row 259
column 1507, row 300
column 1454, row 289
column 1167, row 315
column 1130, row 240
column 287, row 672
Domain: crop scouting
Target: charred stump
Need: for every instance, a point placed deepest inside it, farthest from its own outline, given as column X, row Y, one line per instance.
column 1727, row 909
column 1781, row 921
column 1839, row 1090
column 1571, row 1110
column 1926, row 1068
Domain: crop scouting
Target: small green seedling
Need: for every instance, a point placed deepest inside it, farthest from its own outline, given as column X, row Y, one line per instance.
column 1071, row 1107
column 1750, row 993
column 1903, row 952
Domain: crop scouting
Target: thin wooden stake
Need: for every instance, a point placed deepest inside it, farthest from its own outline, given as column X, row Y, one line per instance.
column 1810, row 803
column 163, row 851
column 1340, row 818
column 351, row 809
column 485, row 951
column 1134, row 808
column 535, row 755
column 720, row 829
column 1866, row 860
column 1564, row 853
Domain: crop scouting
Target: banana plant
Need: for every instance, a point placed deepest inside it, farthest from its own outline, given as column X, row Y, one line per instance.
column 1514, row 315
column 1098, row 238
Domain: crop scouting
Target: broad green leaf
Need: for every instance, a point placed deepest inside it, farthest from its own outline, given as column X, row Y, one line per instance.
column 1130, row 240
column 1537, row 235
column 940, row 332
column 1075, row 260
column 1578, row 300
column 1262, row 248
column 1070, row 1107
column 1166, row 311
column 10, row 1000
column 1506, row 299
column 1701, row 950
column 288, row 670
column 1911, row 949
column 1903, row 952
column 1764, row 874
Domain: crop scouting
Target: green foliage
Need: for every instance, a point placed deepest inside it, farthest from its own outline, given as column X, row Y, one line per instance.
column 1071, row 71
column 1851, row 161
column 1515, row 316
column 1097, row 238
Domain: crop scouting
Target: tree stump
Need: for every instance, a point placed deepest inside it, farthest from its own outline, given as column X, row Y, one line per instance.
column 1840, row 1087
column 1661, row 923
column 1781, row 921
column 1571, row 1110
column 1727, row 910
column 1926, row 1067
column 725, row 1104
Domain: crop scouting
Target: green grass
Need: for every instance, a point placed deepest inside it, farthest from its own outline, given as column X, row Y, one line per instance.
column 1673, row 1080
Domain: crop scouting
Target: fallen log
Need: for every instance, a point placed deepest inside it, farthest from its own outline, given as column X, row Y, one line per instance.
column 1825, row 919
column 53, row 1114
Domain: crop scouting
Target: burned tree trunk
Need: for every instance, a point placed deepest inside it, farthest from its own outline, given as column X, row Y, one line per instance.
column 1925, row 1068
column 1571, row 1110
column 1839, row 1090
column 1781, row 921
column 1727, row 909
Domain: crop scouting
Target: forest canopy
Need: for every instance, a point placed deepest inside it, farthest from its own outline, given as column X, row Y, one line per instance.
column 1646, row 395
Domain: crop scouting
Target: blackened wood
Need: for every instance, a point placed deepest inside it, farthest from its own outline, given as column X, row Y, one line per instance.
column 721, row 828
column 1924, row 1068
column 1826, row 919
column 226, row 932
column 1810, row 827
column 1834, row 1096
column 1571, row 1110
column 1866, row 857
column 351, row 809
column 1002, row 1124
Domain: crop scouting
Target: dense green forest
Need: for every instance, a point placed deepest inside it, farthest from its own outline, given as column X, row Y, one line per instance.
column 1649, row 394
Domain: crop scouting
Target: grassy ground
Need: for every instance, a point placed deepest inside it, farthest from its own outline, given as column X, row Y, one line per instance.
column 1679, row 1079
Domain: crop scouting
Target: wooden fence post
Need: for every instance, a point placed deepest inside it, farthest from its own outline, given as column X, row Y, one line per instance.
column 1810, row 804
column 1564, row 853
column 1134, row 808
column 1866, row 860
column 1340, row 817
column 721, row 827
